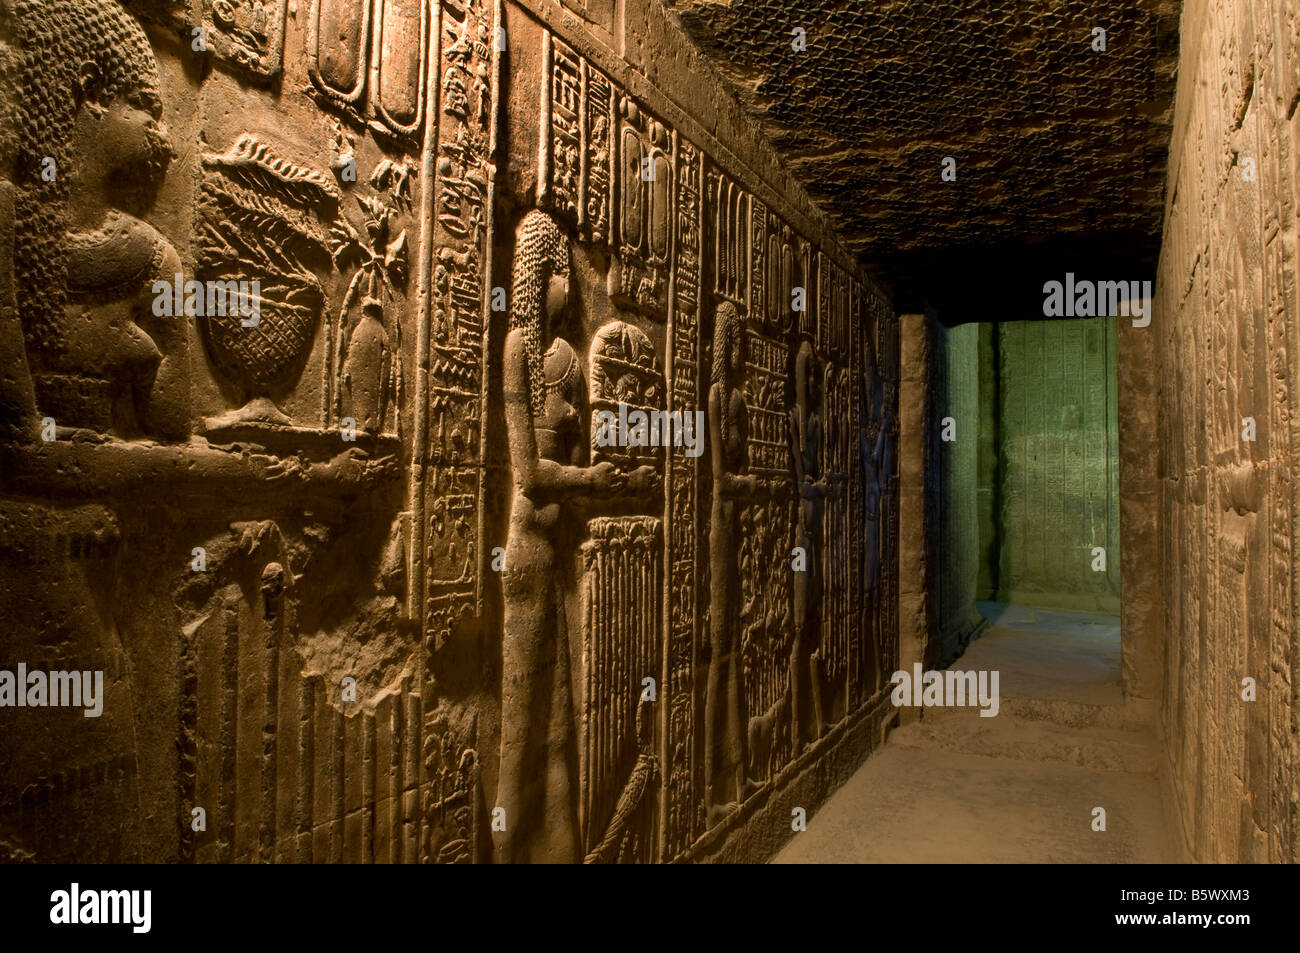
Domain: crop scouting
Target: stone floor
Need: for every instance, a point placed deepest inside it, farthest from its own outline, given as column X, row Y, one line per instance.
column 1021, row 786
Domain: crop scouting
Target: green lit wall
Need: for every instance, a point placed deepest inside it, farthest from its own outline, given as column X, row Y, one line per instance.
column 957, row 441
column 1058, row 482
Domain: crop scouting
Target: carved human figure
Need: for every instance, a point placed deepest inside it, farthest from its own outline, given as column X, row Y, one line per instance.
column 807, row 433
column 537, row 783
column 93, row 150
column 871, row 446
column 887, row 443
column 725, row 742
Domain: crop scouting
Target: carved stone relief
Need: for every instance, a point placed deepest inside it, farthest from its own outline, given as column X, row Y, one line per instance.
column 625, row 378
column 638, row 278
column 457, row 220
column 248, row 34
column 90, row 152
column 577, row 141
column 681, row 811
column 369, row 58
column 263, row 222
column 621, row 648
column 548, row 448
column 386, row 539
column 726, row 763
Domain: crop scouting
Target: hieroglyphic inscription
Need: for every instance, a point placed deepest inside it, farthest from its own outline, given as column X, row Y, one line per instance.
column 885, row 324
column 766, row 372
column 452, row 813
column 682, row 517
column 460, row 247
column 760, row 308
column 857, row 495
column 577, row 141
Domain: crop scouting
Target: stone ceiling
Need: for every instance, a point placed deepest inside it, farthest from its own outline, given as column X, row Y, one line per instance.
column 1060, row 149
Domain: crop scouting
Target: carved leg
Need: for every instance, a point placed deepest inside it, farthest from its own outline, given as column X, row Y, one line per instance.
column 533, row 784
column 796, row 696
column 815, row 677
column 798, row 663
column 715, row 711
column 736, row 724
column 711, row 713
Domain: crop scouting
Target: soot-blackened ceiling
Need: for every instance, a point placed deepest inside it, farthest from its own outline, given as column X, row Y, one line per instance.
column 1060, row 148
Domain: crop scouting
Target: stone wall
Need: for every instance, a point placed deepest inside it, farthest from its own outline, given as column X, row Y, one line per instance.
column 988, row 462
column 1058, row 437
column 1225, row 328
column 919, row 499
column 368, row 571
column 955, row 441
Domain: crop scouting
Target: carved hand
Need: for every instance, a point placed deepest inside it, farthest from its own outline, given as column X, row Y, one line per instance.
column 642, row 480
column 602, row 477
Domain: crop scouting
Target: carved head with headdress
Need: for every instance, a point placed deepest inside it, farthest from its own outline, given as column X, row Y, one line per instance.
column 539, row 293
column 88, row 104
column 728, row 356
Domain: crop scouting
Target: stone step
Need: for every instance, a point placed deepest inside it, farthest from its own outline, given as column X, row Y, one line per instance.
column 1100, row 748
column 1056, row 711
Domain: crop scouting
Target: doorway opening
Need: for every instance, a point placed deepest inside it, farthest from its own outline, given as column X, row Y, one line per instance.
column 1025, row 444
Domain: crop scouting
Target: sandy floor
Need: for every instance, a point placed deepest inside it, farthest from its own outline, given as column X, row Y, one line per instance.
column 1019, row 787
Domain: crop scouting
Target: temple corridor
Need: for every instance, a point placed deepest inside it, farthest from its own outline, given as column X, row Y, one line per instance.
column 649, row 432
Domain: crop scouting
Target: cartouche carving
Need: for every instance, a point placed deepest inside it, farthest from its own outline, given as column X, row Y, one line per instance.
column 638, row 274
column 370, row 58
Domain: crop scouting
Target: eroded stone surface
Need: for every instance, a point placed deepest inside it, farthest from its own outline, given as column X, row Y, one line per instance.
column 314, row 329
column 1224, row 333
